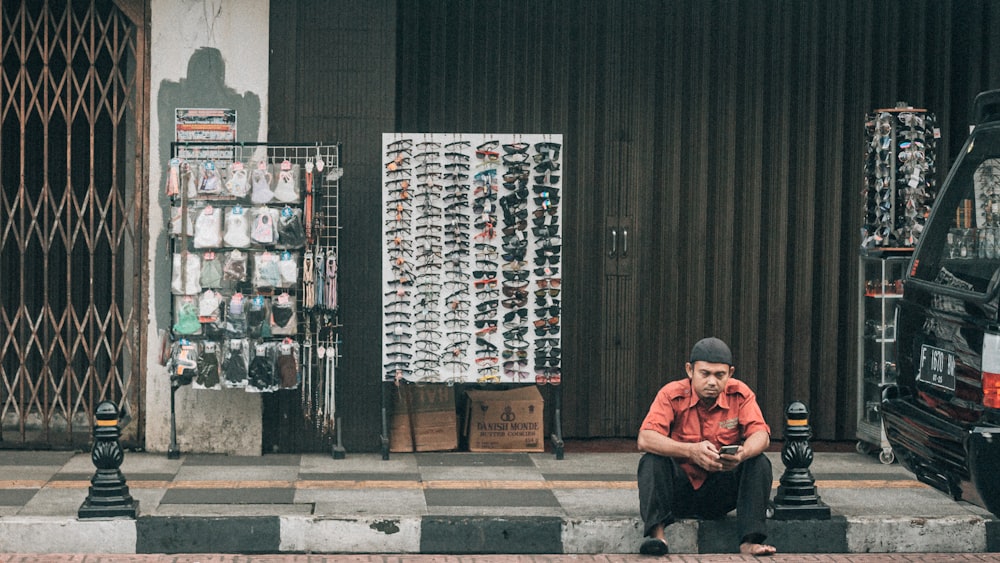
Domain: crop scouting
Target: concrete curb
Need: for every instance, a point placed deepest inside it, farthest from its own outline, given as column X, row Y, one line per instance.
column 479, row 535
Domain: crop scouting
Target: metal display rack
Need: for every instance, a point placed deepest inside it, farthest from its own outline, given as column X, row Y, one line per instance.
column 317, row 185
column 471, row 262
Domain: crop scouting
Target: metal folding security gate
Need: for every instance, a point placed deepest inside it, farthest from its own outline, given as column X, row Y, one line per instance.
column 72, row 250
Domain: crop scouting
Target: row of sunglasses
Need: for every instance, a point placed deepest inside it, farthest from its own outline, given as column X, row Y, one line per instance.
column 463, row 262
column 899, row 177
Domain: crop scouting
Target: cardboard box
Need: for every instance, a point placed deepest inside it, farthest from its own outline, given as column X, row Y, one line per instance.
column 426, row 414
column 506, row 421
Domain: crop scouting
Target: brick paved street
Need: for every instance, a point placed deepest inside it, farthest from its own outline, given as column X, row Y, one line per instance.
column 688, row 558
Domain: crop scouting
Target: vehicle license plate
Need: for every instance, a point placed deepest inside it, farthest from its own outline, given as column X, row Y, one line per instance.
column 937, row 367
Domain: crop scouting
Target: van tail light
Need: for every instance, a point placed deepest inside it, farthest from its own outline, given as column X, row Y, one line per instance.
column 991, row 370
column 991, row 390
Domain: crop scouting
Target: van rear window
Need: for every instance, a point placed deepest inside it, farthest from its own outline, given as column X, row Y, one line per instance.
column 960, row 246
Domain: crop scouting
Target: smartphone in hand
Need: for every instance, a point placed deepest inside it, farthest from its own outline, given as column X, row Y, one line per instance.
column 729, row 450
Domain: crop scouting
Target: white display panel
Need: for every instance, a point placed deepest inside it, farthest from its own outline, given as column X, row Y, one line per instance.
column 471, row 257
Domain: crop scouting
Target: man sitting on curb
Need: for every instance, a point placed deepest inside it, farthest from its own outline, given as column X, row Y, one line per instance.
column 683, row 473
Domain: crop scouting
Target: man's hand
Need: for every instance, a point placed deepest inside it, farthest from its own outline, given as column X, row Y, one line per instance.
column 704, row 455
column 730, row 461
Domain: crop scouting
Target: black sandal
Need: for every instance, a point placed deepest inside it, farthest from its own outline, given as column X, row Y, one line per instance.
column 654, row 546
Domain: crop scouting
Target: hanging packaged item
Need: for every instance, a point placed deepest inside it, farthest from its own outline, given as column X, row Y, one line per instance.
column 211, row 270
column 236, row 319
column 184, row 361
column 237, row 184
column 210, row 184
column 262, row 230
column 260, row 184
column 266, row 271
column 261, row 374
column 258, row 313
column 288, row 364
column 237, row 231
column 291, row 232
column 283, row 318
column 286, row 187
column 235, row 363
column 208, row 227
column 186, row 278
column 209, row 367
column 288, row 269
column 234, row 269
column 186, row 316
column 210, row 306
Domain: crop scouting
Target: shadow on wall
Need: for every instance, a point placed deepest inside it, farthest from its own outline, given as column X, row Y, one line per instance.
column 204, row 87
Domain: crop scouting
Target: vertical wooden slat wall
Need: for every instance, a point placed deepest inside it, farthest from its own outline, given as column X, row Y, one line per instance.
column 727, row 133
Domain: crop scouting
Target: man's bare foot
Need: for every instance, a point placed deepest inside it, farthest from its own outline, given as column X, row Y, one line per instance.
column 747, row 548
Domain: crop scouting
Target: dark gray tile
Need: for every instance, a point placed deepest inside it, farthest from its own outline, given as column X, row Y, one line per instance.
column 495, row 497
column 128, row 476
column 470, row 459
column 359, row 476
column 483, row 534
column 16, row 497
column 856, row 476
column 15, row 457
column 228, row 496
column 279, row 460
column 192, row 534
column 589, row 476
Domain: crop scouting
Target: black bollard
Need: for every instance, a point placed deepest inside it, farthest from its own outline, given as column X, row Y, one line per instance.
column 109, row 495
column 796, row 498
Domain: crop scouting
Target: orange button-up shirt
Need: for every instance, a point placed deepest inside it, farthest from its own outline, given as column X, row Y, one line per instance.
column 677, row 413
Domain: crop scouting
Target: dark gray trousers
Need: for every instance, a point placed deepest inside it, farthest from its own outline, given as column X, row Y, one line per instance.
column 665, row 494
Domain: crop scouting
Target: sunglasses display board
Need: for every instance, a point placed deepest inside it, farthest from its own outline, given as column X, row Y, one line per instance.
column 471, row 254
column 254, row 236
column 899, row 176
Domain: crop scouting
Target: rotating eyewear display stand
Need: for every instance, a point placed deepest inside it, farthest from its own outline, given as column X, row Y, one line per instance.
column 318, row 331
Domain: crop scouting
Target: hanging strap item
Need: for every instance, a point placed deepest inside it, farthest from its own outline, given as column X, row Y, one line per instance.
column 308, row 281
column 331, row 281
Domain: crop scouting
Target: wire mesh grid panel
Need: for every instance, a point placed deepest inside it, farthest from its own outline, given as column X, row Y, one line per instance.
column 256, row 233
column 471, row 258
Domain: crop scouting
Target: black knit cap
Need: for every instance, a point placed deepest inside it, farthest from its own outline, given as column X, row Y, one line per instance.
column 711, row 350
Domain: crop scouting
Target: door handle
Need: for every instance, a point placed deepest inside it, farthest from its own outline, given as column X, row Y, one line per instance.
column 624, row 242
column 614, row 242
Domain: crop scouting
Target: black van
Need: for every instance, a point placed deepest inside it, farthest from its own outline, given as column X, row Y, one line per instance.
column 942, row 416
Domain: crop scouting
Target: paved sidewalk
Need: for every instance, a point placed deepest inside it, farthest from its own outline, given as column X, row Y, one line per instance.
column 447, row 503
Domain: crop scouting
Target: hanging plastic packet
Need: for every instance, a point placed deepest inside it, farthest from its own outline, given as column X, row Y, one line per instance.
column 283, row 317
column 263, row 231
column 184, row 361
column 286, row 188
column 210, row 183
column 260, row 183
column 236, row 318
column 210, row 313
column 211, row 270
column 234, row 363
column 291, row 231
column 288, row 364
column 258, row 313
column 208, row 227
column 237, row 184
column 186, row 278
column 186, row 316
column 180, row 228
column 173, row 178
column 288, row 269
column 234, row 269
column 261, row 376
column 189, row 179
column 209, row 367
column 237, row 232
column 266, row 273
